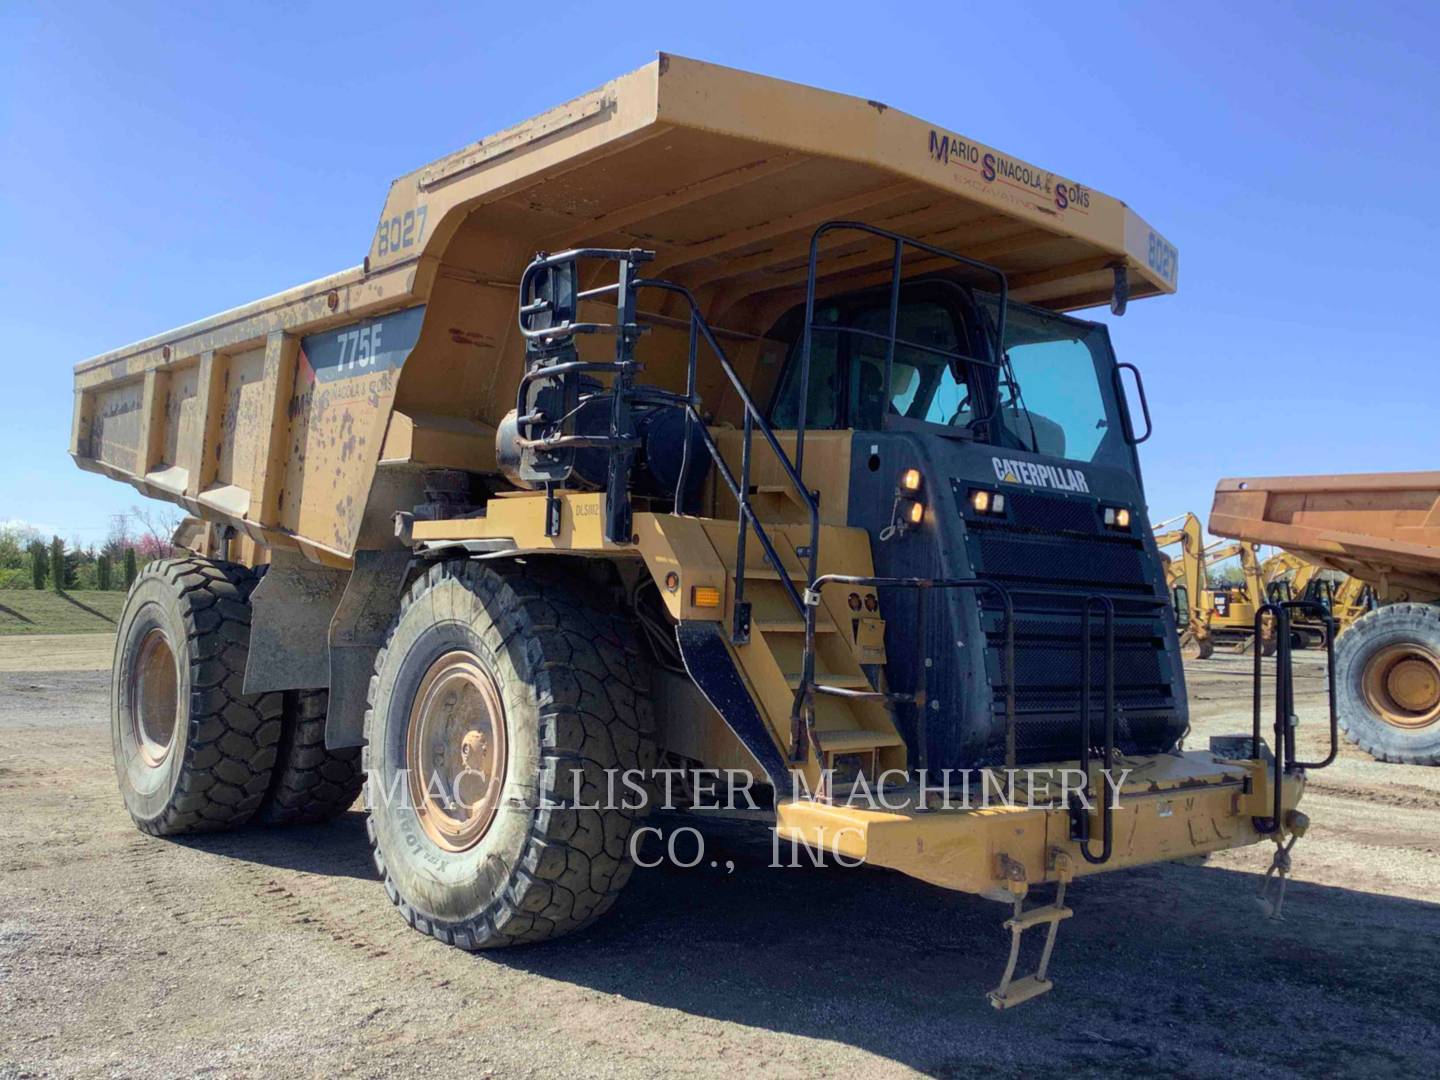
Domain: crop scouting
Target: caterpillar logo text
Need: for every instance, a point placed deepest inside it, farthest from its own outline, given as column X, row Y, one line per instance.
column 1041, row 476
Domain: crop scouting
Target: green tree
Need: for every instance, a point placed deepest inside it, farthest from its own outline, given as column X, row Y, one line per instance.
column 74, row 565
column 39, row 564
column 57, row 565
column 103, row 580
column 131, row 570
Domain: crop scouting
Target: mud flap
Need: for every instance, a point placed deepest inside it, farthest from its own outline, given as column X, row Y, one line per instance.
column 357, row 631
column 290, row 614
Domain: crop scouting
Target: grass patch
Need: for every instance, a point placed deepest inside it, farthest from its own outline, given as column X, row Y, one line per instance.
column 84, row 611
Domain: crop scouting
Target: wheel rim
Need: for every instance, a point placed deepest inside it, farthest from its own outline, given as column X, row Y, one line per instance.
column 154, row 698
column 1402, row 685
column 456, row 751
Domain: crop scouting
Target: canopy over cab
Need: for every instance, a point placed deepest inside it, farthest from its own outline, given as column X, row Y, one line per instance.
column 277, row 417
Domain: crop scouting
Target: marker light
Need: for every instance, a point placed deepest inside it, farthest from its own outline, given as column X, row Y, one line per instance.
column 911, row 480
column 871, row 604
column 704, row 596
column 915, row 512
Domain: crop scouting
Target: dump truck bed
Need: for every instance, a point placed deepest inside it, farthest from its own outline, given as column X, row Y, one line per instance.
column 278, row 417
column 1383, row 528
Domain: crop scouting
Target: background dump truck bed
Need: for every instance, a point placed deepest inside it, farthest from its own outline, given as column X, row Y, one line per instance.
column 285, row 417
column 1383, row 528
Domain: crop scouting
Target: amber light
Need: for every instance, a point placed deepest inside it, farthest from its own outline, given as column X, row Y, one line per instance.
column 911, row 480
column 704, row 596
column 915, row 512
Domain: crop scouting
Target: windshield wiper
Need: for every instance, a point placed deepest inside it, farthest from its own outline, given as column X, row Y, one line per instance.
column 1017, row 400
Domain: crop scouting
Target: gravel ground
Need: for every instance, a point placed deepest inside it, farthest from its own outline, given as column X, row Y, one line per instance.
column 261, row 953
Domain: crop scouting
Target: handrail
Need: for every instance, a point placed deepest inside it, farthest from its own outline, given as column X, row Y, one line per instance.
column 1108, row 607
column 1285, row 716
column 753, row 419
column 901, row 242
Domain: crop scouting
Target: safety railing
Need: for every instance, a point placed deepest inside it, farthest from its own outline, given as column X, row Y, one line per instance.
column 549, row 320
column 1286, row 719
column 899, row 243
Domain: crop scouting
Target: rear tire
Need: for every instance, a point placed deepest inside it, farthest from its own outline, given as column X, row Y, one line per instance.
column 1387, row 682
column 310, row 784
column 192, row 752
column 503, row 670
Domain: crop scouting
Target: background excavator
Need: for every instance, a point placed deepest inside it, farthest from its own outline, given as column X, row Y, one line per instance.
column 1185, row 575
column 1231, row 606
column 1290, row 577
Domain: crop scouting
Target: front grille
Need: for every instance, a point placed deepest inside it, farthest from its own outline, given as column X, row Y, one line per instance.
column 1050, row 552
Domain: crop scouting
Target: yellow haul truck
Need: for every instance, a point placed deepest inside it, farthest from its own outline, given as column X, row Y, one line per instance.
column 1383, row 530
column 781, row 455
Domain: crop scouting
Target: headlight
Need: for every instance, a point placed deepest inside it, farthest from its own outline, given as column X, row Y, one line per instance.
column 987, row 502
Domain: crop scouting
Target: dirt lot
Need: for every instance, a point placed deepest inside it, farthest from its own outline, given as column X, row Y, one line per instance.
column 260, row 953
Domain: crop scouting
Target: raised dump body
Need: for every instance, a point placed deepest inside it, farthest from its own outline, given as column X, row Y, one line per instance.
column 1382, row 529
column 706, row 421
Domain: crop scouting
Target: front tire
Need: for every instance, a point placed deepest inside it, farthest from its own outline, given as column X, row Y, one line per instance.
column 1387, row 680
column 498, row 678
column 192, row 752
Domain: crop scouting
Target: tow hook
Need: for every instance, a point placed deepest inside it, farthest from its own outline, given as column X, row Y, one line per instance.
column 1272, row 886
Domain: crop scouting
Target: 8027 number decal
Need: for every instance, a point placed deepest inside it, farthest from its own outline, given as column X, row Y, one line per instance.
column 402, row 231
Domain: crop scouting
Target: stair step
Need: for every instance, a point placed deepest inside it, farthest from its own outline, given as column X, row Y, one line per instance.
column 764, row 573
column 850, row 740
column 845, row 682
column 792, row 626
column 1021, row 991
column 1036, row 916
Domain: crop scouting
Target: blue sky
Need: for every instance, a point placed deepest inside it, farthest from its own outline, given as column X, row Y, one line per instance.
column 158, row 165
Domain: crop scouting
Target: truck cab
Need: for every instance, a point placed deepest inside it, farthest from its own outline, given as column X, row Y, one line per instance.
column 1028, row 476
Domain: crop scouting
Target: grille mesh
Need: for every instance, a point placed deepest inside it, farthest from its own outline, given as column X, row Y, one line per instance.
column 1059, row 544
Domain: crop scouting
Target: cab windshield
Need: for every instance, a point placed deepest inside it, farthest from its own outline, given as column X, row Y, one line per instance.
column 1052, row 393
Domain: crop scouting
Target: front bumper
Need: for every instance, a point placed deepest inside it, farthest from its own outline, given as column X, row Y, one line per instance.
column 1170, row 806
